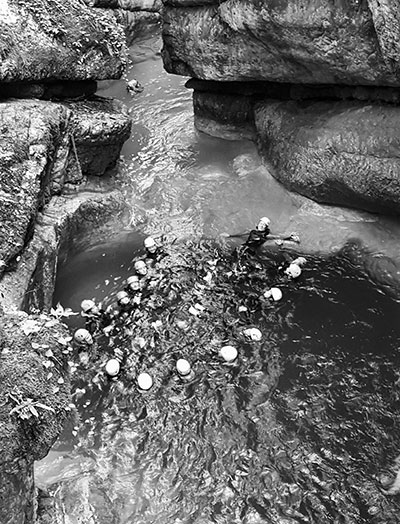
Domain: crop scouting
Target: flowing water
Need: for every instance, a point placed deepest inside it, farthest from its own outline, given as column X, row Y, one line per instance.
column 304, row 427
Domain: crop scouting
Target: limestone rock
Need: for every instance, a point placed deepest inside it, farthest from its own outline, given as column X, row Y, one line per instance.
column 286, row 41
column 226, row 116
column 346, row 153
column 44, row 146
column 128, row 5
column 58, row 40
column 33, row 141
column 386, row 16
column 67, row 222
column 137, row 24
column 99, row 126
column 33, row 407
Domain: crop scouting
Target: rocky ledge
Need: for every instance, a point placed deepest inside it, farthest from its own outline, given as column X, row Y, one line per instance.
column 316, row 85
column 58, row 139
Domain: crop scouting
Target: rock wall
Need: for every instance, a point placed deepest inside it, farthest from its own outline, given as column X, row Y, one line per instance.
column 254, row 66
column 56, row 136
column 34, row 403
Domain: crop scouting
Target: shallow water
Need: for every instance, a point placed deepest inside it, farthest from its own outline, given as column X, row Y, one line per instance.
column 305, row 427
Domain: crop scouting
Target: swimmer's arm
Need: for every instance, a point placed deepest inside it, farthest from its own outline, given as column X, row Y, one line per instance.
column 235, row 235
column 294, row 237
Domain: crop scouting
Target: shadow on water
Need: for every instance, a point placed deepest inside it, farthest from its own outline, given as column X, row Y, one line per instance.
column 303, row 428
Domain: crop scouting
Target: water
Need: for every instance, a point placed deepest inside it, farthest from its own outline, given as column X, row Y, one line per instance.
column 305, row 427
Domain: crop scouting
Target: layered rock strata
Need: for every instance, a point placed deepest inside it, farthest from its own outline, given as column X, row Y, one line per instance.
column 249, row 58
column 55, row 134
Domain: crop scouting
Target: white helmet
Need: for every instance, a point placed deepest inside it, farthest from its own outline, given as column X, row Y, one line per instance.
column 183, row 366
column 263, row 223
column 228, row 353
column 140, row 267
column 300, row 261
column 112, row 367
column 121, row 295
column 123, row 298
column 87, row 305
column 149, row 243
column 293, row 271
column 82, row 336
column 133, row 282
column 144, row 381
column 253, row 334
column 276, row 293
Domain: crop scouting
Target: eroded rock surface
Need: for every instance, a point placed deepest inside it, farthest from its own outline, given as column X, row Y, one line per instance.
column 34, row 399
column 284, row 41
column 99, row 126
column 34, row 137
column 58, row 40
column 44, row 146
column 244, row 55
column 344, row 151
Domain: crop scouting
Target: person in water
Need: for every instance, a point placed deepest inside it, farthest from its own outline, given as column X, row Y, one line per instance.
column 154, row 253
column 258, row 236
column 96, row 318
column 262, row 233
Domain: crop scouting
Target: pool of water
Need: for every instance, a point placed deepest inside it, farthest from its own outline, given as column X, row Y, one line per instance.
column 304, row 428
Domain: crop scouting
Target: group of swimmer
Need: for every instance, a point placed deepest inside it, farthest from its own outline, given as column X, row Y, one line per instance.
column 111, row 321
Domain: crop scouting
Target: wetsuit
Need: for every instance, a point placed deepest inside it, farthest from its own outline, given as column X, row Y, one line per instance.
column 256, row 238
column 95, row 322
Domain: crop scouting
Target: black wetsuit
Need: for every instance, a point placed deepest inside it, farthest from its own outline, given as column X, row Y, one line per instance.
column 256, row 238
column 96, row 322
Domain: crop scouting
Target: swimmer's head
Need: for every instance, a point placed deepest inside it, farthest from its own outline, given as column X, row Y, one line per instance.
column 263, row 223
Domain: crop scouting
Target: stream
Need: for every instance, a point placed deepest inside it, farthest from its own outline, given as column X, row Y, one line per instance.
column 305, row 426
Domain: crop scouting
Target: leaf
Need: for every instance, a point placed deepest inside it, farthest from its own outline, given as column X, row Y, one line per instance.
column 64, row 340
column 30, row 326
column 43, row 406
column 33, row 410
column 51, row 323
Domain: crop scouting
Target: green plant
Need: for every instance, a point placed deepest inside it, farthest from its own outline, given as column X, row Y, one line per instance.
column 28, row 408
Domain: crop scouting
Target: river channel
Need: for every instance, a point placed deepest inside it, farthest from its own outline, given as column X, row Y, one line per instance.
column 305, row 426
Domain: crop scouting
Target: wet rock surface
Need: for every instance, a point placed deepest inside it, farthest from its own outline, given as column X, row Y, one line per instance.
column 247, row 54
column 338, row 152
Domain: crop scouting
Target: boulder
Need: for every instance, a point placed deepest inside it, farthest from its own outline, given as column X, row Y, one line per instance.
column 67, row 222
column 35, row 145
column 99, row 127
column 58, row 40
column 284, row 41
column 33, row 405
column 346, row 153
column 44, row 146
